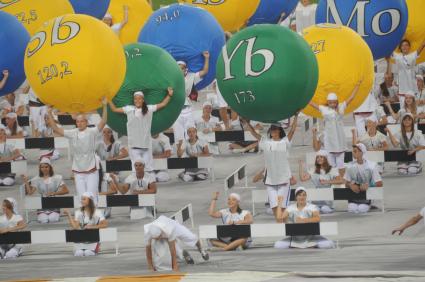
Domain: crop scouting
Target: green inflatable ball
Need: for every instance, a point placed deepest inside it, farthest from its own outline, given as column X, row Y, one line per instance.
column 152, row 70
column 267, row 73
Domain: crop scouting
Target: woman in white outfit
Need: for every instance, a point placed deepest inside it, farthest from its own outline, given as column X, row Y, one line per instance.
column 409, row 105
column 47, row 184
column 406, row 68
column 301, row 212
column 323, row 176
column 109, row 149
column 8, row 153
column 161, row 149
column 10, row 221
column 411, row 140
column 277, row 170
column 85, row 163
column 208, row 124
column 139, row 124
column 334, row 138
column 359, row 176
column 116, row 27
column 177, row 235
column 87, row 217
column 193, row 148
column 233, row 215
column 13, row 130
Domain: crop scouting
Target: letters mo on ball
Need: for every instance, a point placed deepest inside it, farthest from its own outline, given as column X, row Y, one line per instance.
column 359, row 12
column 249, row 72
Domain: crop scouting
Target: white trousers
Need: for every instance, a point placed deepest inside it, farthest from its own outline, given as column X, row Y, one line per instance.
column 358, row 208
column 161, row 176
column 145, row 155
column 7, row 181
column 321, row 244
column 183, row 122
column 275, row 191
column 336, row 160
column 87, row 182
column 37, row 115
column 11, row 253
column 84, row 253
column 46, row 217
column 360, row 121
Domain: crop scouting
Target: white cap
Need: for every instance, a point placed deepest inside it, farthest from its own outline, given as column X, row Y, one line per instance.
column 11, row 115
column 88, row 195
column 45, row 161
column 107, row 16
column 182, row 63
column 138, row 93
column 300, row 189
column 408, row 114
column 372, row 118
column 235, row 196
column 154, row 231
column 206, row 103
column 14, row 205
column 139, row 160
column 322, row 153
column 410, row 93
column 332, row 97
column 361, row 147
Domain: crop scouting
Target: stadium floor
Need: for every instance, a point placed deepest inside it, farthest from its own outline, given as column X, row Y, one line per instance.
column 367, row 250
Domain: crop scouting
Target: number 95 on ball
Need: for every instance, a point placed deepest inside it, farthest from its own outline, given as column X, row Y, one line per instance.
column 73, row 61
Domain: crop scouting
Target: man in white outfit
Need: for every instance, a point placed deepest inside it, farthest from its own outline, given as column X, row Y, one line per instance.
column 175, row 234
column 117, row 27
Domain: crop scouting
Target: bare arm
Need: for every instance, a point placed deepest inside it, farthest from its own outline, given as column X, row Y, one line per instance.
column 63, row 190
column 212, row 209
column 149, row 257
column 21, row 225
column 122, row 155
column 421, row 48
column 258, row 176
column 354, row 136
column 166, row 100
column 122, row 188
column 314, row 105
column 29, row 190
column 316, row 142
column 293, row 127
column 251, row 129
column 104, row 119
column 206, row 67
column 281, row 217
column 393, row 140
column 4, row 80
column 388, row 71
column 15, row 154
column 165, row 155
column 354, row 93
column 114, row 108
column 412, row 221
column 173, row 253
column 205, row 152
column 247, row 220
column 53, row 125
column 304, row 175
column 125, row 19
column 390, row 109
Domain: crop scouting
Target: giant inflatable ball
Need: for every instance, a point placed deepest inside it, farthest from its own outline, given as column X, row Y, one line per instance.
column 138, row 13
column 270, row 11
column 151, row 70
column 185, row 32
column 13, row 41
column 382, row 24
column 267, row 73
column 415, row 32
column 94, row 8
column 231, row 14
column 344, row 60
column 73, row 61
column 33, row 13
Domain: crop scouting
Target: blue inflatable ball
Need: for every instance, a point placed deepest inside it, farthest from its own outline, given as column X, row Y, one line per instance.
column 94, row 8
column 13, row 41
column 185, row 32
column 270, row 11
column 382, row 24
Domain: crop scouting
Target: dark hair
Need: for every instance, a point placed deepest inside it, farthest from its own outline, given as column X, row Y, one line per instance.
column 51, row 172
column 112, row 140
column 91, row 208
column 403, row 131
column 384, row 89
column 415, row 107
column 144, row 108
column 8, row 204
column 282, row 133
column 403, row 41
column 299, row 192
column 327, row 167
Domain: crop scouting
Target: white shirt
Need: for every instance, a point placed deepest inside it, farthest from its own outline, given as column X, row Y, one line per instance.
column 9, row 223
column 278, row 171
column 375, row 142
column 369, row 105
column 334, row 137
column 190, row 80
column 413, row 141
column 83, row 144
column 227, row 216
column 137, row 184
column 161, row 144
column 422, row 213
column 139, row 126
column 168, row 227
column 406, row 65
column 84, row 219
column 365, row 173
column 305, row 16
column 116, row 28
column 317, row 177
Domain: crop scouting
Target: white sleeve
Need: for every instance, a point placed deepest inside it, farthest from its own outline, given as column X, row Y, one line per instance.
column 152, row 108
column 129, row 179
column 77, row 215
column 100, row 215
column 70, row 133
column 167, row 145
column 323, row 109
column 128, row 109
column 197, row 78
column 347, row 176
column 341, row 108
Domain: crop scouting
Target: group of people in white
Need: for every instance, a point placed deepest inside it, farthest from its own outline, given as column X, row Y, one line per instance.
column 400, row 93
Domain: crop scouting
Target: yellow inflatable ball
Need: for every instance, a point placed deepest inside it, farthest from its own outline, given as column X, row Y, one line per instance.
column 33, row 13
column 415, row 32
column 138, row 11
column 73, row 61
column 344, row 60
column 231, row 14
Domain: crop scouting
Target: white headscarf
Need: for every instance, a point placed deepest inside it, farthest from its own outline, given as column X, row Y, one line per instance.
column 14, row 205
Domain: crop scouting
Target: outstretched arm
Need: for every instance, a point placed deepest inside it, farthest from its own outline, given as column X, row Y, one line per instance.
column 293, row 127
column 412, row 221
column 125, row 20
column 353, row 94
column 251, row 129
column 104, row 119
column 114, row 108
column 212, row 211
column 4, row 80
column 206, row 68
column 53, row 125
column 421, row 48
column 166, row 100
